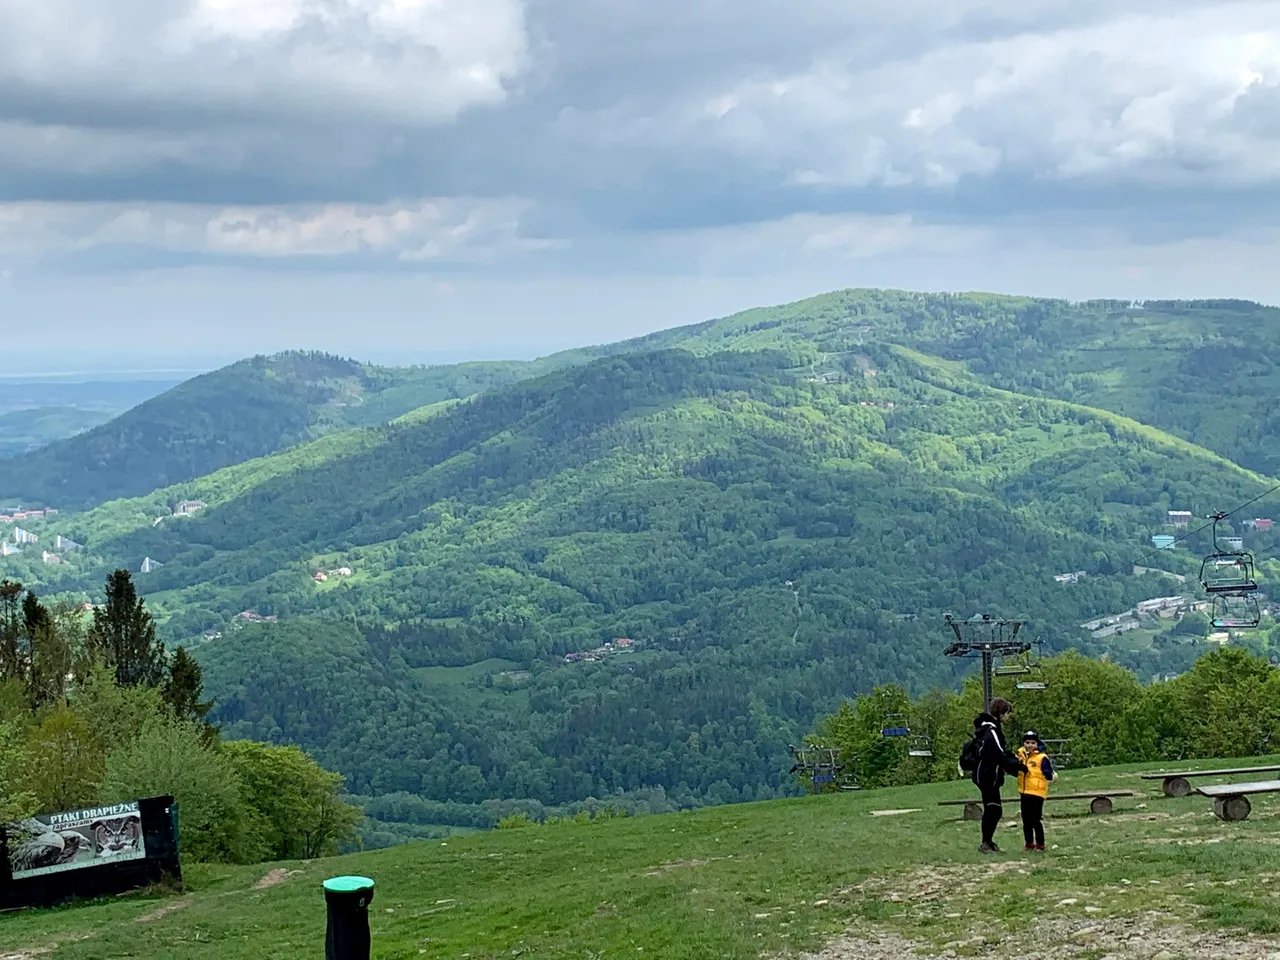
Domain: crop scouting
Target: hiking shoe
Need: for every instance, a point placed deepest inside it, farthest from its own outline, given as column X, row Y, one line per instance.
column 996, row 847
column 1040, row 847
column 988, row 848
column 1029, row 846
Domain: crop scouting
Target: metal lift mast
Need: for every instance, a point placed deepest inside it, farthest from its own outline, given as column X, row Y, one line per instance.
column 986, row 638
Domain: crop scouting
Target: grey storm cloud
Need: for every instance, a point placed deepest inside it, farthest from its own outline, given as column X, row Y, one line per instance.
column 432, row 131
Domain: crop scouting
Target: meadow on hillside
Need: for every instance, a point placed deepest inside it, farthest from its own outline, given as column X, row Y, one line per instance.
column 1158, row 877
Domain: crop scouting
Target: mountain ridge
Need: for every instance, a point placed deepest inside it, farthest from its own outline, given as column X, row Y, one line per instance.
column 777, row 508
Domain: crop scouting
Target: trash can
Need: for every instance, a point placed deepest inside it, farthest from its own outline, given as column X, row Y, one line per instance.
column 347, row 900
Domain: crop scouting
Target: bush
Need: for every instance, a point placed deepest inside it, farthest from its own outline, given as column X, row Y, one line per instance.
column 214, row 822
column 298, row 801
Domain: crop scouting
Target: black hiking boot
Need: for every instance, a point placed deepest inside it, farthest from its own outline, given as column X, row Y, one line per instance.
column 985, row 847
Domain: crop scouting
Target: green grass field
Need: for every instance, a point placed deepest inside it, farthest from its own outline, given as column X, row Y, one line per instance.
column 1157, row 878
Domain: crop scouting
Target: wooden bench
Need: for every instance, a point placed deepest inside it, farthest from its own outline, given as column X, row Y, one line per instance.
column 1178, row 784
column 1231, row 800
column 1099, row 802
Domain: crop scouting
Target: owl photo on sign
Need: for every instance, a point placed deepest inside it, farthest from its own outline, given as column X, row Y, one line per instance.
column 116, row 836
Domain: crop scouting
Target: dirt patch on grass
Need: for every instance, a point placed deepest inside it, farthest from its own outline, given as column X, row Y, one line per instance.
column 161, row 912
column 935, row 883
column 673, row 865
column 1149, row 937
column 274, row 877
column 33, row 953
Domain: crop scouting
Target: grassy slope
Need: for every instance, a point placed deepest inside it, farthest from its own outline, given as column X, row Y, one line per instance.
column 734, row 882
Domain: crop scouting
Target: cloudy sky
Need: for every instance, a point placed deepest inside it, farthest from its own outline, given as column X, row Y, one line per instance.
column 447, row 178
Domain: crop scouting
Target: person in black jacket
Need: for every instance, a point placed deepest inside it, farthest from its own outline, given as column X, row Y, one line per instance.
column 994, row 761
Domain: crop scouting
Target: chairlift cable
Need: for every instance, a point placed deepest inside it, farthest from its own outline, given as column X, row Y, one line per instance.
column 1218, row 517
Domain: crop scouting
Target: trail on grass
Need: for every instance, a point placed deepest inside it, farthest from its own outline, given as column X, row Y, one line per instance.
column 1151, row 936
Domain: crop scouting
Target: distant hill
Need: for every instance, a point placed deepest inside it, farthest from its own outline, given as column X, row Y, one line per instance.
column 35, row 412
column 25, row 430
column 1204, row 370
column 777, row 508
column 247, row 410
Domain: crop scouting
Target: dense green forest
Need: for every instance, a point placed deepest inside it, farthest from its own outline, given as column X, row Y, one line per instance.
column 776, row 508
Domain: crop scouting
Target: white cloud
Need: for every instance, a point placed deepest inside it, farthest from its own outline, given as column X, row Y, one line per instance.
column 144, row 62
column 442, row 230
column 1075, row 147
column 1155, row 97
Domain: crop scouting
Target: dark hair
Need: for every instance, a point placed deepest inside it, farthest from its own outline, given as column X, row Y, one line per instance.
column 999, row 707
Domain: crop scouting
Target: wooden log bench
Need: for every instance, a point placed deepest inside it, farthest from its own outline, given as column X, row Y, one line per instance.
column 1231, row 800
column 1100, row 801
column 1179, row 784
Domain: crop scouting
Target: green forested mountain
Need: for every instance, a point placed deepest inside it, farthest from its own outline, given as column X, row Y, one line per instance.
column 247, row 410
column 777, row 508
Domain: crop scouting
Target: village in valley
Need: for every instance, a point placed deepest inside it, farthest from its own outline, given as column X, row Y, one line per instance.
column 1159, row 613
column 602, row 652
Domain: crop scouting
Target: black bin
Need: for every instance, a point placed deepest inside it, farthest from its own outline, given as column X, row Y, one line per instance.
column 347, row 936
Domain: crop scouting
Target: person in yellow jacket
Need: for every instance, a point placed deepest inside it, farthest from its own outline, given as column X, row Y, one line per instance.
column 1033, row 788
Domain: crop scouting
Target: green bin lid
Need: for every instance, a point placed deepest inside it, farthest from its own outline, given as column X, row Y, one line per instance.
column 348, row 884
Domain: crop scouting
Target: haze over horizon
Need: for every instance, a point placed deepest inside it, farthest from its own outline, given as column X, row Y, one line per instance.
column 426, row 180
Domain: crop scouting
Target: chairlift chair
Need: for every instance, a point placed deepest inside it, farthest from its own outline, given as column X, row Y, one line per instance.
column 1012, row 670
column 821, row 764
column 1235, row 611
column 891, row 729
column 1229, row 577
column 1228, row 573
column 1032, row 685
column 920, row 747
column 1020, row 667
column 1225, row 570
column 1057, row 753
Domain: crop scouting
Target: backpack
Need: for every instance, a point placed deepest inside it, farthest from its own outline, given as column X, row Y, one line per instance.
column 969, row 753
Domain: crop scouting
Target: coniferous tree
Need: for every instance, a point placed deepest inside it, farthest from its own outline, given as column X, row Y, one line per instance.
column 48, row 654
column 124, row 635
column 183, row 688
column 11, row 653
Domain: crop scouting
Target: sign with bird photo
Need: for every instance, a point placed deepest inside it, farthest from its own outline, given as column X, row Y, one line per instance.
column 92, row 837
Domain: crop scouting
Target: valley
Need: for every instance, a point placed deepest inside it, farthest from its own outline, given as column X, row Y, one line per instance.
column 778, row 507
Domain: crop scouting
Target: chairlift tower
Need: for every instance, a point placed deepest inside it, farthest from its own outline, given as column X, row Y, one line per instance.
column 987, row 638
